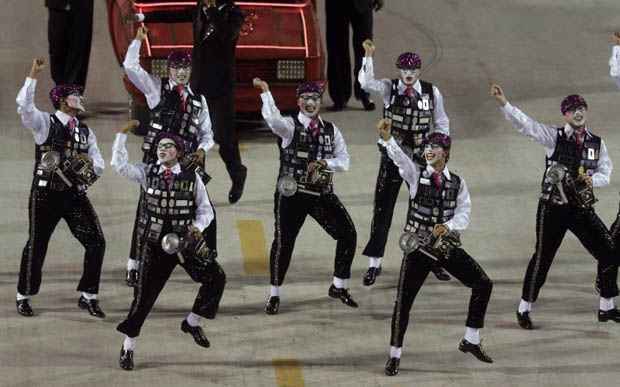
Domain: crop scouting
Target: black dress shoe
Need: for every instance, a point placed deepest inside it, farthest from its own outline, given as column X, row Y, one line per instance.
column 440, row 273
column 125, row 360
column 371, row 275
column 368, row 103
column 476, row 350
column 336, row 107
column 343, row 295
column 23, row 307
column 273, row 305
column 525, row 322
column 237, row 187
column 132, row 278
column 92, row 306
column 391, row 367
column 606, row 315
column 197, row 333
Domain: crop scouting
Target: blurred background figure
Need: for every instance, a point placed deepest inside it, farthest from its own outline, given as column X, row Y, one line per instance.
column 340, row 14
column 69, row 32
column 614, row 61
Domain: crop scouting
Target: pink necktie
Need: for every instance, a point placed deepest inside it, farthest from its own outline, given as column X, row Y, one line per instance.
column 72, row 123
column 314, row 127
column 168, row 177
column 181, row 90
column 409, row 91
column 437, row 179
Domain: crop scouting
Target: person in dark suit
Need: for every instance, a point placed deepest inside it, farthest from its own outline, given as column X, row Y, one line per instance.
column 216, row 26
column 69, row 33
column 341, row 13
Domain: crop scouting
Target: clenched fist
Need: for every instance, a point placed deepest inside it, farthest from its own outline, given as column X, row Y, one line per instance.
column 369, row 47
column 384, row 127
column 497, row 92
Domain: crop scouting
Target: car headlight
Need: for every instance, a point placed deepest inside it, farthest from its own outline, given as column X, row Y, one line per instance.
column 291, row 69
column 159, row 68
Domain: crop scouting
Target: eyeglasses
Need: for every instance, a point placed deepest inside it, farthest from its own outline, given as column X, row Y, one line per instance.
column 166, row 145
column 433, row 146
column 310, row 97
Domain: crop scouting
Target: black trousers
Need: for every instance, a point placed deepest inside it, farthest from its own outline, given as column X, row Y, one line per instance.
column 339, row 15
column 387, row 188
column 414, row 270
column 552, row 222
column 69, row 34
column 222, row 112
column 290, row 214
column 45, row 209
column 156, row 268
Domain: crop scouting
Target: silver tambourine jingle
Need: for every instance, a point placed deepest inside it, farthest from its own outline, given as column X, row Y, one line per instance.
column 287, row 186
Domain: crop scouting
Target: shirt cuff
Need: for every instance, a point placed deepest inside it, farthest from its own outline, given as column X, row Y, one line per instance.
column 121, row 139
column 140, row 17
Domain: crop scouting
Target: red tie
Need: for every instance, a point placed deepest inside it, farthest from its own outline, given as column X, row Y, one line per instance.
column 72, row 123
column 409, row 91
column 168, row 177
column 181, row 90
column 437, row 179
column 314, row 127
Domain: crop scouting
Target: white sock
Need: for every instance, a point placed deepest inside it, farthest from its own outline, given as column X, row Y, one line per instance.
column 472, row 335
column 374, row 262
column 89, row 296
column 129, row 344
column 193, row 319
column 606, row 304
column 338, row 283
column 275, row 291
column 524, row 306
column 396, row 352
column 20, row 297
column 132, row 264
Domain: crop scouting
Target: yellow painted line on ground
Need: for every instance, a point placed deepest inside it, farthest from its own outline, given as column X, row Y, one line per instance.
column 252, row 237
column 288, row 372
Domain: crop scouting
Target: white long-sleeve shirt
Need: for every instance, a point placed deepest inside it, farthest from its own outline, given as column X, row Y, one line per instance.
column 547, row 136
column 150, row 86
column 614, row 64
column 284, row 127
column 39, row 123
column 366, row 78
column 137, row 173
column 410, row 172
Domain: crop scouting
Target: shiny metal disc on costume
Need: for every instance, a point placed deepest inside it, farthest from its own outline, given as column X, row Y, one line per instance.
column 50, row 160
column 408, row 242
column 171, row 243
column 287, row 186
column 556, row 173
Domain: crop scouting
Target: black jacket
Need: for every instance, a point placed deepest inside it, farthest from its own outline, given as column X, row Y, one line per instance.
column 216, row 32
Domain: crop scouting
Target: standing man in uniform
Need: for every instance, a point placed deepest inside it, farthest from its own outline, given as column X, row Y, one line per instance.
column 439, row 204
column 216, row 25
column 177, row 109
column 339, row 15
column 67, row 161
column 416, row 109
column 311, row 149
column 583, row 156
column 175, row 202
column 69, row 33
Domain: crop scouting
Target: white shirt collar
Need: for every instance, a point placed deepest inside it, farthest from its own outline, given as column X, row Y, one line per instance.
column 176, row 168
column 431, row 170
column 64, row 117
column 305, row 120
column 569, row 131
column 402, row 87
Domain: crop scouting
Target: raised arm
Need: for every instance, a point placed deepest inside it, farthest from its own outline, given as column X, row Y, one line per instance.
column 407, row 169
column 133, row 172
column 366, row 76
column 340, row 161
column 541, row 133
column 283, row 127
column 460, row 220
column 148, row 84
column 31, row 117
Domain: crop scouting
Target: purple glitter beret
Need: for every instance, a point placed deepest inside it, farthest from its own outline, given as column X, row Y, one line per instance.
column 178, row 141
column 409, row 61
column 572, row 102
column 440, row 139
column 309, row 87
column 178, row 59
column 63, row 91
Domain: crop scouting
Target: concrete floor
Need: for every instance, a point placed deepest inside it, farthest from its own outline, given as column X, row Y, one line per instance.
column 540, row 51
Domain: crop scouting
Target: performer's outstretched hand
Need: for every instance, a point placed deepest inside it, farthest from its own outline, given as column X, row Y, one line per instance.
column 129, row 126
column 38, row 64
column 369, row 47
column 384, row 127
column 142, row 33
column 260, row 84
column 196, row 159
column 497, row 92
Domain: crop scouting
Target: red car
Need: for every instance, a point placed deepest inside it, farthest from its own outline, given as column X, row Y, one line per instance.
column 280, row 42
